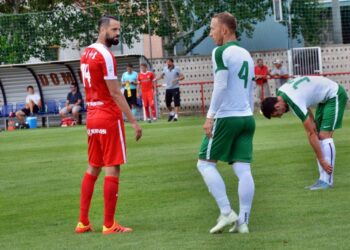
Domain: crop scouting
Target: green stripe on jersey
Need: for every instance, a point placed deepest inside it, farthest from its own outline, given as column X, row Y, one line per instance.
column 218, row 55
column 293, row 106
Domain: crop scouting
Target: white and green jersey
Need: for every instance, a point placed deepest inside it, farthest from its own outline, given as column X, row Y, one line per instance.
column 302, row 93
column 233, row 82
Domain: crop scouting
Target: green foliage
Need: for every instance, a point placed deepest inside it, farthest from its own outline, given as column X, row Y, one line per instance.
column 58, row 23
column 308, row 20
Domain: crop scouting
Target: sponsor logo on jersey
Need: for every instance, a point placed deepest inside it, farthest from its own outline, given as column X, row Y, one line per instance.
column 95, row 131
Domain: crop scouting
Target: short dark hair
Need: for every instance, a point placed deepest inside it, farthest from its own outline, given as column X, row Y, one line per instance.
column 130, row 65
column 227, row 19
column 144, row 64
column 30, row 87
column 267, row 106
column 170, row 59
column 74, row 84
column 104, row 20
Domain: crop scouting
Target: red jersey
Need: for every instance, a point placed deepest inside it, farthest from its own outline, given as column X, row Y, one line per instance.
column 146, row 80
column 98, row 64
column 262, row 71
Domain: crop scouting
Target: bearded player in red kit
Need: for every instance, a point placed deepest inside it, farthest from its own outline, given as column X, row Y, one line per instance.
column 105, row 127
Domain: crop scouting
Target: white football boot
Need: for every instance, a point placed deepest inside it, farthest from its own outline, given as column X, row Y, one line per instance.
column 224, row 221
column 242, row 228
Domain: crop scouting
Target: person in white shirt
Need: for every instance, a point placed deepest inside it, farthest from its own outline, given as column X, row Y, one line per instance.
column 230, row 124
column 32, row 106
column 279, row 73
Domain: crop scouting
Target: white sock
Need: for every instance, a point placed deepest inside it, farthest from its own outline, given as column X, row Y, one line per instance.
column 171, row 113
column 328, row 150
column 216, row 185
column 245, row 190
column 176, row 116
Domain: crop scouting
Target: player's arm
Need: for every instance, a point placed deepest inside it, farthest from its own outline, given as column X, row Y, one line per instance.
column 220, row 85
column 122, row 82
column 138, row 85
column 113, row 87
column 309, row 126
column 161, row 76
column 181, row 77
column 312, row 117
column 80, row 98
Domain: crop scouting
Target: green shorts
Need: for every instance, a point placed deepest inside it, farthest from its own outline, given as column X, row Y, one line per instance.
column 232, row 140
column 329, row 115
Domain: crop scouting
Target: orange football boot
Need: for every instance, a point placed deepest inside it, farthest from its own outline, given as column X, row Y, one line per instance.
column 116, row 228
column 81, row 228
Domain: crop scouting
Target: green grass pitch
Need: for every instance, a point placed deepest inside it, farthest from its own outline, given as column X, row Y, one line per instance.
column 163, row 197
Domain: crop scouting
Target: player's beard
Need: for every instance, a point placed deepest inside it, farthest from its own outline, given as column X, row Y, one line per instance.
column 287, row 108
column 111, row 40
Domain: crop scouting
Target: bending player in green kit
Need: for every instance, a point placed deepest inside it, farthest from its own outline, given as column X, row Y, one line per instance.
column 299, row 95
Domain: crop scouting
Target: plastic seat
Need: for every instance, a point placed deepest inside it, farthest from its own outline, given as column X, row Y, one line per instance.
column 61, row 104
column 7, row 109
column 19, row 106
column 51, row 107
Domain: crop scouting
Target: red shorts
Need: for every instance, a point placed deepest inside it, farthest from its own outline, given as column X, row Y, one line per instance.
column 106, row 142
column 147, row 98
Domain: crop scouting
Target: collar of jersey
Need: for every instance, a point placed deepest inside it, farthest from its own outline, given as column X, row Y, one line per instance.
column 232, row 43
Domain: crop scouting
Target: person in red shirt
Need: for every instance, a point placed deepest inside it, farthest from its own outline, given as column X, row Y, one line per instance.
column 147, row 84
column 262, row 89
column 104, row 124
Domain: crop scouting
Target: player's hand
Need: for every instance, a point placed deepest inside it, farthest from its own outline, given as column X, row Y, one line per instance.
column 208, row 125
column 137, row 129
column 326, row 166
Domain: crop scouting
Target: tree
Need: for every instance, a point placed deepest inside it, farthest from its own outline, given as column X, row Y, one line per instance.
column 24, row 34
column 307, row 20
column 181, row 19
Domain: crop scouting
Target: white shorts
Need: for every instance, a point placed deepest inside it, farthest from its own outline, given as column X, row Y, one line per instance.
column 72, row 107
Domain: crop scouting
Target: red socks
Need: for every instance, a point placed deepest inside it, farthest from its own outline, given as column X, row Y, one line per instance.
column 154, row 114
column 110, row 191
column 87, row 189
column 147, row 112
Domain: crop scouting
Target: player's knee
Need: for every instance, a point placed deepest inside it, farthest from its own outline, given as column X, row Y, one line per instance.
column 325, row 135
column 93, row 170
column 112, row 171
column 203, row 165
column 242, row 170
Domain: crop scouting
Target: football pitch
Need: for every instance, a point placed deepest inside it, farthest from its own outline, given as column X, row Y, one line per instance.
column 163, row 197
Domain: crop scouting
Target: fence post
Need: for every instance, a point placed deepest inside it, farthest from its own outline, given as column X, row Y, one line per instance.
column 202, row 97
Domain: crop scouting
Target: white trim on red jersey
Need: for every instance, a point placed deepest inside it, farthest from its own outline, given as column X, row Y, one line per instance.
column 122, row 141
column 108, row 58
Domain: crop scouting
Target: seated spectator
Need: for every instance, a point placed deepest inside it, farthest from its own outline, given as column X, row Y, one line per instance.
column 74, row 103
column 32, row 106
column 262, row 89
column 279, row 73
